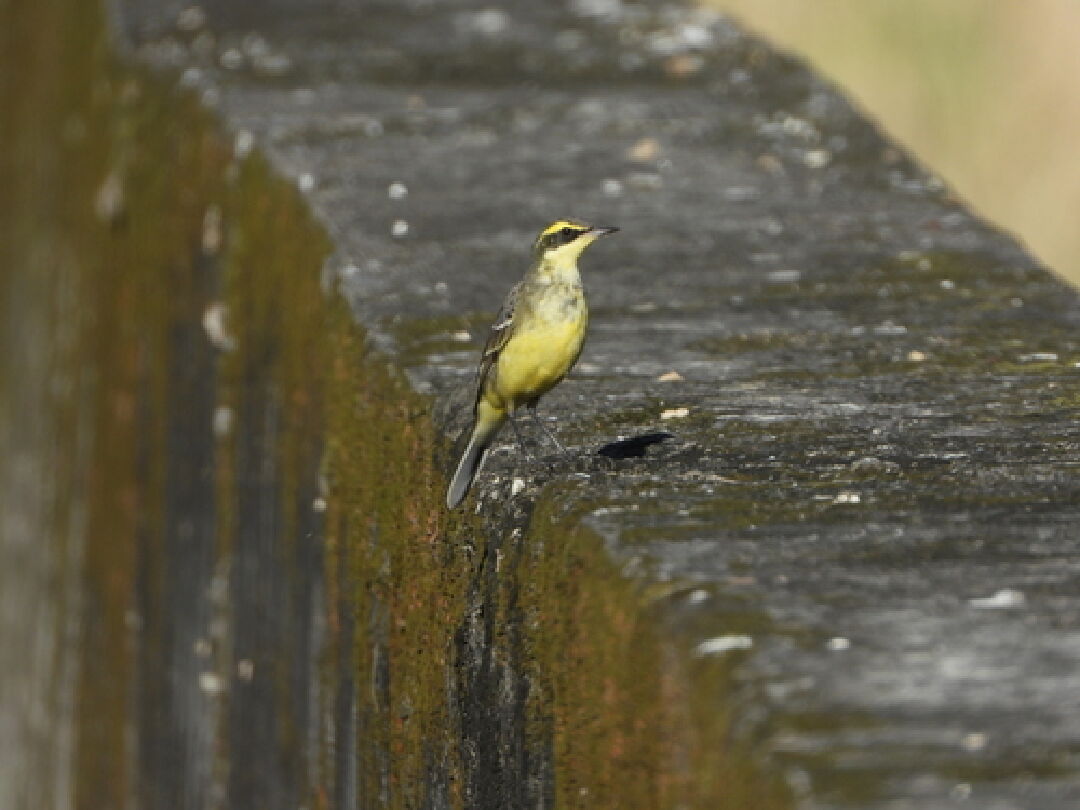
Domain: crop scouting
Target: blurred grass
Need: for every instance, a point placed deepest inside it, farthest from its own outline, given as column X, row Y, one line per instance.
column 985, row 92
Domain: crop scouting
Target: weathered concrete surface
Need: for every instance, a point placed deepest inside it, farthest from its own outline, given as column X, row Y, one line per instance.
column 879, row 447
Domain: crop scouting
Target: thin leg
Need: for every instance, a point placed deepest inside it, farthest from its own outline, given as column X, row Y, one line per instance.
column 520, row 439
column 531, row 407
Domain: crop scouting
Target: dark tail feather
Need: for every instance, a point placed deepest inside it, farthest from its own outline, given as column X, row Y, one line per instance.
column 471, row 461
column 487, row 424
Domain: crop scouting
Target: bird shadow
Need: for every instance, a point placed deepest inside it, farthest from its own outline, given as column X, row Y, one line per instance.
column 634, row 447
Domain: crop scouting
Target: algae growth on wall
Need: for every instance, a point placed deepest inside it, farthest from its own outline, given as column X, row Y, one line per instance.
column 227, row 576
column 161, row 441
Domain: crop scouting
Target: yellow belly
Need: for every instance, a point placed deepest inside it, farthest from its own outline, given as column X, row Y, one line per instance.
column 537, row 358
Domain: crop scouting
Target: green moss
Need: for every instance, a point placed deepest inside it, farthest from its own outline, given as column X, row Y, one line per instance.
column 134, row 195
column 166, row 234
column 977, row 337
column 732, row 345
column 637, row 721
column 596, row 687
column 121, row 173
column 387, row 541
column 418, row 339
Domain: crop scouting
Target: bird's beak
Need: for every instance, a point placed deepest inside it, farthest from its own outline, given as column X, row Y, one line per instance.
column 601, row 230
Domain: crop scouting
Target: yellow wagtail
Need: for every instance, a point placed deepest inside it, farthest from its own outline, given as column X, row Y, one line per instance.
column 534, row 342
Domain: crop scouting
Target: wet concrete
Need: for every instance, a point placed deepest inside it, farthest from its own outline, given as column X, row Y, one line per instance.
column 850, row 569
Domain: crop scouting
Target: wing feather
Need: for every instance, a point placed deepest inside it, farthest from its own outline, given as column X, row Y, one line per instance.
column 502, row 329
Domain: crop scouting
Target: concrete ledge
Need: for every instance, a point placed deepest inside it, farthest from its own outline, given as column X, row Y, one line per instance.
column 847, row 579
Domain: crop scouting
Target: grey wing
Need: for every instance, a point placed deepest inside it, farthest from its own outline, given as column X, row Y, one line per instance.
column 499, row 334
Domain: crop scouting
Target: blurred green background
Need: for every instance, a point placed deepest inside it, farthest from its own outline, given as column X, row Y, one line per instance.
column 985, row 92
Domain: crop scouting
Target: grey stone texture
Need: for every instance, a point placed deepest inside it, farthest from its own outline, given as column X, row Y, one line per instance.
column 870, row 491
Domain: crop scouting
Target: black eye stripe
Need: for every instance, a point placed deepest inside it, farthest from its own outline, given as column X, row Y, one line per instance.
column 562, row 237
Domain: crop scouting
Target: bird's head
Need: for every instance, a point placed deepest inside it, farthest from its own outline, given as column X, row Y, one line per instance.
column 564, row 240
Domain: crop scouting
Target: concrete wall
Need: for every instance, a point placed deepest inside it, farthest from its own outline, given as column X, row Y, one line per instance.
column 229, row 376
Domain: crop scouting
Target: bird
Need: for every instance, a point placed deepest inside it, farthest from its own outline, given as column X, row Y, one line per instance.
column 535, row 340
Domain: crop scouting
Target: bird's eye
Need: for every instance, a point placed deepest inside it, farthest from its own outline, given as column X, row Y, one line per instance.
column 568, row 234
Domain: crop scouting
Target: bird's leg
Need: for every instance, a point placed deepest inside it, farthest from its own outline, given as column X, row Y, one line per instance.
column 531, row 407
column 519, row 437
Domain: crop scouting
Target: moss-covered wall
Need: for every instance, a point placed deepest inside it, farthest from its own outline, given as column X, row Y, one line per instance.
column 228, row 579
column 162, row 434
column 496, row 667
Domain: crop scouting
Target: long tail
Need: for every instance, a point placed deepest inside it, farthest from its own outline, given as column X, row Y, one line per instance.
column 488, row 422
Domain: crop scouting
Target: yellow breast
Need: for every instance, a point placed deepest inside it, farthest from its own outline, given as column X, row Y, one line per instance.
column 541, row 352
